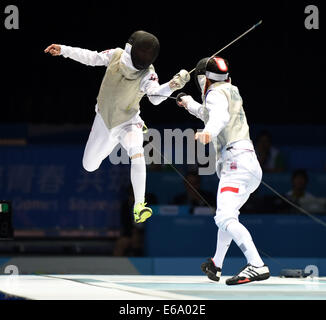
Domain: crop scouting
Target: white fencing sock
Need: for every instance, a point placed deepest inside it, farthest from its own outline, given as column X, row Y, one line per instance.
column 138, row 178
column 224, row 240
column 244, row 241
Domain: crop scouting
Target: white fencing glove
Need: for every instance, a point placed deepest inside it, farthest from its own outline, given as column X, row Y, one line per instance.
column 183, row 100
column 179, row 80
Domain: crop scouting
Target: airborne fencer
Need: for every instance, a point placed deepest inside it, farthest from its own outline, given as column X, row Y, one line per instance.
column 237, row 165
column 130, row 75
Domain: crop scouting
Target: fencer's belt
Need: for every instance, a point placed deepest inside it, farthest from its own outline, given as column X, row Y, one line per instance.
column 245, row 145
column 230, row 148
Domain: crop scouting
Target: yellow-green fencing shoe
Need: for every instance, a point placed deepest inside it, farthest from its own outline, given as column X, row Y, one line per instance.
column 141, row 212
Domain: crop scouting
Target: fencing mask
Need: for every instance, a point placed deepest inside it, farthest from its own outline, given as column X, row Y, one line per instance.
column 145, row 48
column 215, row 69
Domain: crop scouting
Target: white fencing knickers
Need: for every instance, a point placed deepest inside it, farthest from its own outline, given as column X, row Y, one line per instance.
column 240, row 175
column 102, row 141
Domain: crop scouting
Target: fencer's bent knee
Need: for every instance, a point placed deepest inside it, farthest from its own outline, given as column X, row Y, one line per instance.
column 223, row 222
column 90, row 167
column 136, row 156
column 134, row 151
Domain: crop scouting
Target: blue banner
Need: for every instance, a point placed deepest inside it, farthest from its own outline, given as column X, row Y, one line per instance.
column 50, row 191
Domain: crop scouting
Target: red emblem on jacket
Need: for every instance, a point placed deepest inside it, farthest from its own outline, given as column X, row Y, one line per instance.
column 233, row 165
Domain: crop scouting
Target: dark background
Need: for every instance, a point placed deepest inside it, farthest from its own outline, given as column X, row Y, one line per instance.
column 278, row 68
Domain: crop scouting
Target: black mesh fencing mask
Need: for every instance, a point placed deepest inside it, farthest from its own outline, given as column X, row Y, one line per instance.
column 200, row 74
column 145, row 49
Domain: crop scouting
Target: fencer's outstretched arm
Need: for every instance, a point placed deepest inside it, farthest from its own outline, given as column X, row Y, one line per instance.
column 193, row 107
column 149, row 85
column 85, row 56
column 157, row 93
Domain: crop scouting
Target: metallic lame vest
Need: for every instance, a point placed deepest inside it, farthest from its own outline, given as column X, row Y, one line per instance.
column 237, row 128
column 120, row 94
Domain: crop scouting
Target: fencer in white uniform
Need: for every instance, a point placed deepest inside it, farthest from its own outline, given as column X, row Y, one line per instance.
column 237, row 165
column 130, row 75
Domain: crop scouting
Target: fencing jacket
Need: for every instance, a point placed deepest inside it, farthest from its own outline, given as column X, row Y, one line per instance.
column 223, row 115
column 123, row 86
column 120, row 94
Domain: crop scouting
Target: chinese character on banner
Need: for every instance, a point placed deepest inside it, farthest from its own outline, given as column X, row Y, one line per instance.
column 51, row 178
column 20, row 178
column 88, row 181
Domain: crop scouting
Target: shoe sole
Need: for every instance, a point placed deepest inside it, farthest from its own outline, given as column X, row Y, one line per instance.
column 212, row 276
column 144, row 215
column 209, row 274
column 261, row 277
